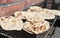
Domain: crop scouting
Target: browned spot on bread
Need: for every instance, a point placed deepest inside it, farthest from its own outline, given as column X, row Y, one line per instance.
column 13, row 21
column 42, row 28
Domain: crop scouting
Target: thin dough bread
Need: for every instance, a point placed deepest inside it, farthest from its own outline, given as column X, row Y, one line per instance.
column 33, row 16
column 27, row 27
column 47, row 15
column 37, row 27
column 55, row 12
column 40, row 27
column 20, row 14
column 11, row 23
column 42, row 13
column 35, row 9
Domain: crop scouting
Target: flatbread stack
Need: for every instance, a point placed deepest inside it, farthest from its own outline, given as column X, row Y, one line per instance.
column 35, row 20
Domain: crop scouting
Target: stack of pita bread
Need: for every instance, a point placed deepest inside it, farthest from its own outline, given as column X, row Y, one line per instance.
column 35, row 20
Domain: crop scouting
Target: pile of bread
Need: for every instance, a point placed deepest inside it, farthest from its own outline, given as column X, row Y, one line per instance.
column 34, row 17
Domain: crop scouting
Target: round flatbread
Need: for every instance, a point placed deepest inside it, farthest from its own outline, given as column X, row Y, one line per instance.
column 11, row 23
column 35, row 9
column 37, row 27
column 33, row 17
column 54, row 12
column 40, row 27
column 41, row 13
column 27, row 27
column 47, row 15
column 20, row 14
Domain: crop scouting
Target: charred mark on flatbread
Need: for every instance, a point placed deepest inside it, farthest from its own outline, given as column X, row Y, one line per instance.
column 24, row 20
column 43, row 28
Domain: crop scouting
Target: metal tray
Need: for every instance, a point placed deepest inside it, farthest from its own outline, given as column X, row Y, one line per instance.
column 24, row 34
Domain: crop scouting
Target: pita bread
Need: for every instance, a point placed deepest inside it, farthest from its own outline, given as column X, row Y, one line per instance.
column 11, row 24
column 33, row 17
column 36, row 28
column 41, row 27
column 42, row 13
column 27, row 27
column 20, row 14
column 54, row 12
column 47, row 15
column 35, row 8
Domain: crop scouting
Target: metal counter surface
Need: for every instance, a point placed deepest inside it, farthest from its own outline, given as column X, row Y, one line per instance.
column 57, row 33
